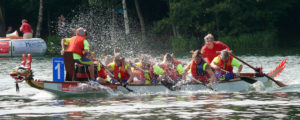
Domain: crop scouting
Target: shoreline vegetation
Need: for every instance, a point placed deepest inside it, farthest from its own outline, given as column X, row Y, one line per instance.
column 254, row 27
column 53, row 44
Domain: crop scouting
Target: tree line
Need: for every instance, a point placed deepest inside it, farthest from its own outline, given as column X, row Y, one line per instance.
column 176, row 24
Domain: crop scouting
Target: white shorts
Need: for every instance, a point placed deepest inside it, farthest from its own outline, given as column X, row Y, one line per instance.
column 27, row 35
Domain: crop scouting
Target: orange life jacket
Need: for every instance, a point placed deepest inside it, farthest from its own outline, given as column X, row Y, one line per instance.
column 120, row 72
column 172, row 72
column 225, row 66
column 198, row 71
column 76, row 45
column 146, row 76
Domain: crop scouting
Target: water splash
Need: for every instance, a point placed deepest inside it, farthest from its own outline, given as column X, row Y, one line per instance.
column 92, row 86
column 106, row 32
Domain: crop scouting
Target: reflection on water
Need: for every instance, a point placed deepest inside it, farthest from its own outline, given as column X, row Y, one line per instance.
column 271, row 103
column 277, row 105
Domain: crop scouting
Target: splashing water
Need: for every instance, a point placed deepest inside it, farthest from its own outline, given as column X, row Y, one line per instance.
column 106, row 32
column 96, row 86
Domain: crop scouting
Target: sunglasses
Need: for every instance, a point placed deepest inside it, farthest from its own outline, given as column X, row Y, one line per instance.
column 209, row 39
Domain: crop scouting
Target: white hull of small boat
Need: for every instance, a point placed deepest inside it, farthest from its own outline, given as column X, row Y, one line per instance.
column 17, row 47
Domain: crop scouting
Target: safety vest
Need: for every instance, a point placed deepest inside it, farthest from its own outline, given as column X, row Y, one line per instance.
column 76, row 45
column 121, row 72
column 101, row 72
column 198, row 71
column 146, row 75
column 225, row 66
column 172, row 72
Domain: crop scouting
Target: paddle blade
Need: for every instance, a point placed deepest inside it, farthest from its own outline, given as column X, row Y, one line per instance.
column 17, row 87
column 280, row 84
column 278, row 69
column 248, row 80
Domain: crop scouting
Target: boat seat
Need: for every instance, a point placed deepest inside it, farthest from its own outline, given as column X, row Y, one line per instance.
column 82, row 72
column 75, row 71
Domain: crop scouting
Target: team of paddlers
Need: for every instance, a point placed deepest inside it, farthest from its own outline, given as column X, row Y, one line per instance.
column 210, row 64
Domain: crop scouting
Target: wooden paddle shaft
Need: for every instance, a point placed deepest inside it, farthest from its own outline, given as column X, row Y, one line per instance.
column 244, row 62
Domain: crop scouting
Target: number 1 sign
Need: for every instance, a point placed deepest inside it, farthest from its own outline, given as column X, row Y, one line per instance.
column 58, row 69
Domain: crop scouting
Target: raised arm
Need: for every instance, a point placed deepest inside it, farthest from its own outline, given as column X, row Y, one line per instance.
column 62, row 43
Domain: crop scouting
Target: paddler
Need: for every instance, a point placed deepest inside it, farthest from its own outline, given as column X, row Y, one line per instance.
column 80, row 48
column 209, row 50
column 173, row 68
column 148, row 72
column 200, row 70
column 224, row 63
column 121, row 70
column 102, row 76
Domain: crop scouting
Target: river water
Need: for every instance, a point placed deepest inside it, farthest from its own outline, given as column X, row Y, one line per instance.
column 264, row 103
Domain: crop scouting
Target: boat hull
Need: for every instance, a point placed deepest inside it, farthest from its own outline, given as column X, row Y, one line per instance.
column 63, row 88
column 18, row 47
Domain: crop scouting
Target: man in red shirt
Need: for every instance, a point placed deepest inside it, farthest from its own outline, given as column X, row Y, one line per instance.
column 27, row 29
column 209, row 50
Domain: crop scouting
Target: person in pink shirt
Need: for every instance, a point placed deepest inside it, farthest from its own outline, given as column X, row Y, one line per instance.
column 209, row 50
column 26, row 29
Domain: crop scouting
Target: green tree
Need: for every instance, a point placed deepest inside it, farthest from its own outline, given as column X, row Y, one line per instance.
column 2, row 20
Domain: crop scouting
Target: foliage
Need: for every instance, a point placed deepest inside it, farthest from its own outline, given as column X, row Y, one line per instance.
column 53, row 45
column 183, row 43
column 180, row 24
column 240, row 23
column 265, row 39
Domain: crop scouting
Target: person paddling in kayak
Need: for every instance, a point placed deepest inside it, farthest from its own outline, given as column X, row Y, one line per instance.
column 224, row 63
column 121, row 70
column 209, row 50
column 200, row 70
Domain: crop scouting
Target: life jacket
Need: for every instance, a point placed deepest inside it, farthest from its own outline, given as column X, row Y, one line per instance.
column 198, row 71
column 172, row 72
column 120, row 72
column 76, row 45
column 225, row 66
column 146, row 75
column 101, row 72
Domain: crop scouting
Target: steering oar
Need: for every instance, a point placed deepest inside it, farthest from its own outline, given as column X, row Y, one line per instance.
column 280, row 84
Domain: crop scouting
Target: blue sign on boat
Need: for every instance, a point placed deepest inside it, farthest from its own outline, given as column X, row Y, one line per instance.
column 58, row 69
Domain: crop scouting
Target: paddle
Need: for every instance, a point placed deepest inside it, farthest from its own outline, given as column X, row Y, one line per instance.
column 17, row 87
column 124, row 85
column 166, row 84
column 246, row 79
column 107, row 71
column 203, row 83
column 280, row 84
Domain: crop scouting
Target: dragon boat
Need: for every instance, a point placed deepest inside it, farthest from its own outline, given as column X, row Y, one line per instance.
column 71, row 84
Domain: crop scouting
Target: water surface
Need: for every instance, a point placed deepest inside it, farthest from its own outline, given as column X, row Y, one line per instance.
column 264, row 103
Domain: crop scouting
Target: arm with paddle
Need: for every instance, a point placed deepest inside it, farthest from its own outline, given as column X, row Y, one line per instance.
column 112, row 75
column 156, row 70
column 280, row 84
column 196, row 78
column 246, row 79
column 226, row 62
